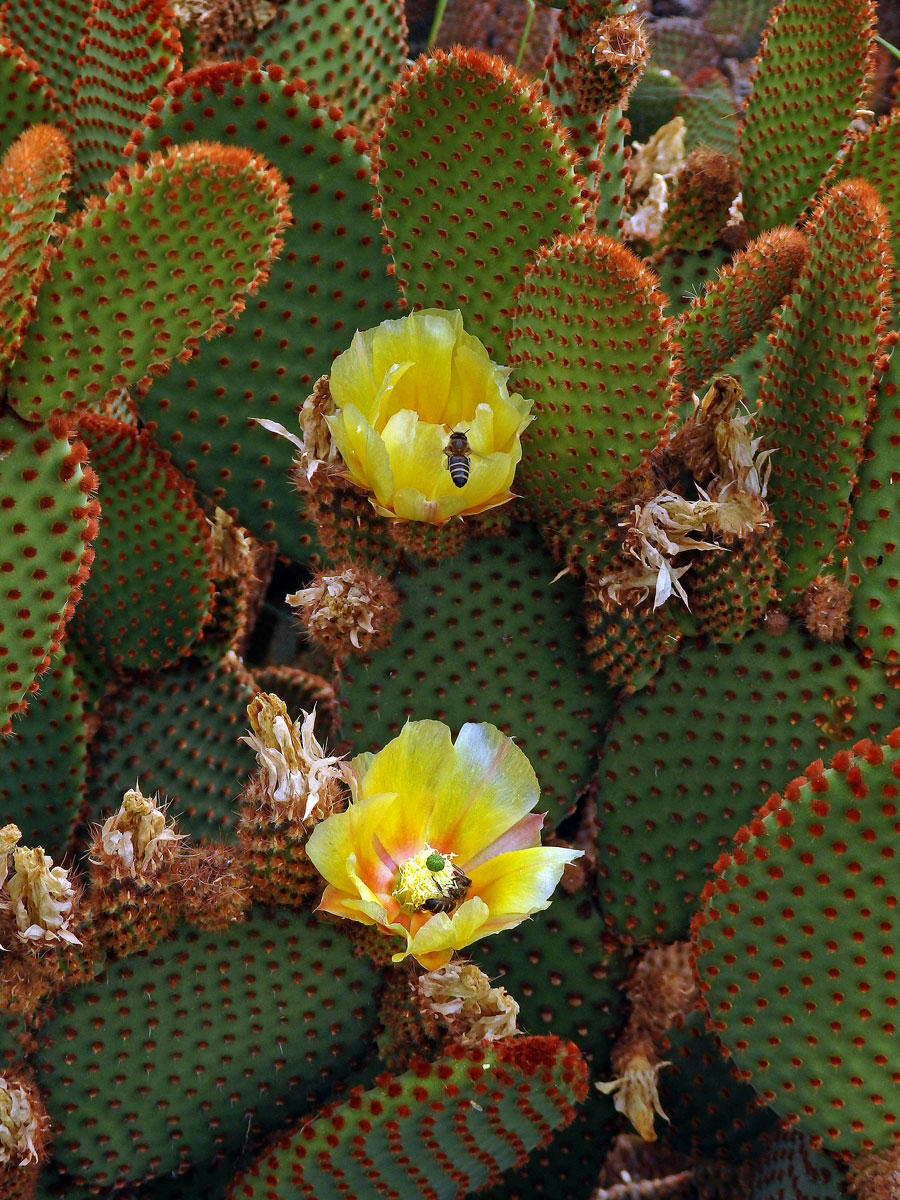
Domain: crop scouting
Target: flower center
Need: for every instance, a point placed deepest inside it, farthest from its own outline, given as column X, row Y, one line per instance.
column 429, row 882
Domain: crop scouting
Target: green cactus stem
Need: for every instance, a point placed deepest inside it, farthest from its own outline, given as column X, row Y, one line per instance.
column 130, row 287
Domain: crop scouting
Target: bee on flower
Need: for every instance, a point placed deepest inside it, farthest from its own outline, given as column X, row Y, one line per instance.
column 439, row 846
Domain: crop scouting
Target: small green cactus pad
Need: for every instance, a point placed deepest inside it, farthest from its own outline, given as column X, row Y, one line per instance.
column 346, row 51
column 177, row 732
column 47, row 522
column 45, row 762
column 795, row 949
column 712, row 1112
column 145, row 271
column 728, row 314
column 787, row 1167
column 330, row 280
column 486, row 636
column 681, row 276
column 442, row 1129
column 874, row 567
column 48, row 31
column 473, row 175
column 127, row 55
column 33, row 178
column 26, row 98
column 811, row 79
column 270, row 1015
column 589, row 346
column 150, row 590
column 815, row 417
column 691, row 757
column 708, row 110
column 730, row 590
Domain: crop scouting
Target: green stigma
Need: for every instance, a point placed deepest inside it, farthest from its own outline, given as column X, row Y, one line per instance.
column 434, row 862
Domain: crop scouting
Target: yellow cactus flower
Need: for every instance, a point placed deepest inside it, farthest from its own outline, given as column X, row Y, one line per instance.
column 439, row 846
column 400, row 390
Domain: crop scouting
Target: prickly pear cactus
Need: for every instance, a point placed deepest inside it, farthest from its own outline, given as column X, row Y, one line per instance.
column 449, row 561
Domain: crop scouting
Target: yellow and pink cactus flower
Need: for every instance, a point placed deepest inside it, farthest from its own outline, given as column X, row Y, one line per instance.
column 401, row 389
column 439, row 846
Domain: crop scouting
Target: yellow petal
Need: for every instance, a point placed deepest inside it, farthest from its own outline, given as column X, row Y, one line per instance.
column 352, row 379
column 363, row 451
column 343, row 846
column 521, row 882
column 490, row 787
column 443, row 932
column 427, row 340
column 416, row 452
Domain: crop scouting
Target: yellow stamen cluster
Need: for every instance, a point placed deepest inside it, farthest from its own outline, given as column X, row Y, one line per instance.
column 460, row 998
column 349, row 610
column 417, row 882
column 302, row 782
column 19, row 1128
column 41, row 898
column 136, row 841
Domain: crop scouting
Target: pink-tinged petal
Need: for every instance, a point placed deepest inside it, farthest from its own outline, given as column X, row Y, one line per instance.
column 342, row 847
column 521, row 836
column 522, row 881
column 339, row 904
column 492, row 786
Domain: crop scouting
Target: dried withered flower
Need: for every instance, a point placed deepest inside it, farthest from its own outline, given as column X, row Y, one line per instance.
column 460, row 998
column 347, row 610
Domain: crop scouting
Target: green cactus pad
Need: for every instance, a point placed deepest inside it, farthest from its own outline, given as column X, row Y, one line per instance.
column 589, row 346
column 45, row 762
column 177, row 731
column 708, row 110
column 26, row 98
column 348, row 53
column 728, row 314
column 473, row 175
column 33, row 178
column 815, row 417
column 712, row 1112
column 874, row 568
column 795, row 946
column 48, row 31
column 683, row 276
column 785, row 1165
column 652, row 103
column 486, row 636
column 691, row 757
column 127, row 55
column 150, row 590
column 730, row 590
column 271, row 1015
column 145, row 271
column 444, row 1128
column 811, row 79
column 47, row 522
column 330, row 280
column 699, row 201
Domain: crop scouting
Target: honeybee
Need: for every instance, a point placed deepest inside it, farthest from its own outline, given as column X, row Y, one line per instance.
column 453, row 894
column 458, row 451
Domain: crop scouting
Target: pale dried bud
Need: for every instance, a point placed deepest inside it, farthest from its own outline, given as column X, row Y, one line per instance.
column 10, row 836
column 460, row 997
column 303, row 783
column 232, row 553
column 637, row 1094
column 647, row 222
column 348, row 610
column 776, row 622
column 136, row 842
column 663, row 154
column 41, row 898
column 20, row 1125
column 662, row 989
